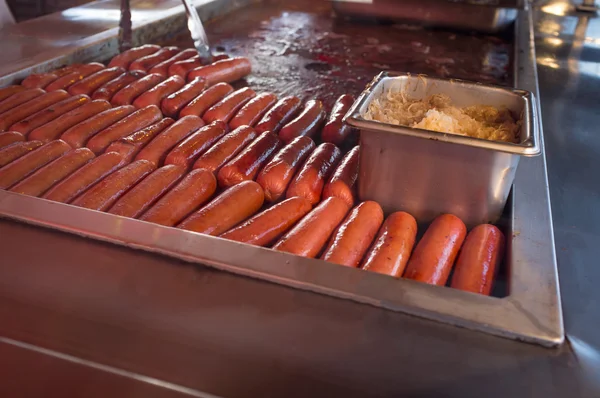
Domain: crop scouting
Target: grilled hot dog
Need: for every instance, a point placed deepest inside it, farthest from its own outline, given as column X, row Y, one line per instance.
column 279, row 115
column 79, row 134
column 392, row 247
column 435, row 253
column 127, row 57
column 10, row 137
column 192, row 192
column 28, row 108
column 335, row 131
column 307, row 123
column 173, row 103
column 226, row 149
column 342, row 182
column 186, row 152
column 228, row 106
column 50, row 113
column 108, row 90
column 16, row 150
column 131, row 145
column 223, row 71
column 253, row 111
column 129, row 93
column 96, row 80
column 206, row 99
column 155, row 95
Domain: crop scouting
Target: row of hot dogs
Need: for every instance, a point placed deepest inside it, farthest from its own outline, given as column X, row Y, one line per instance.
column 252, row 151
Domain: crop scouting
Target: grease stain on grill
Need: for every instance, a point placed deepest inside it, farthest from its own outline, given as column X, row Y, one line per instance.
column 318, row 66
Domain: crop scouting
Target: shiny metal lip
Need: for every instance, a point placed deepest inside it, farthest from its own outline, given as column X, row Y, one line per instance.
column 530, row 130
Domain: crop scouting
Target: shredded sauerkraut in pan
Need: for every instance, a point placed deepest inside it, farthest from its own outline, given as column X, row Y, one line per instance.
column 437, row 113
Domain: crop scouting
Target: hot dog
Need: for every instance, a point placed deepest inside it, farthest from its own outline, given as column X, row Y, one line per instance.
column 96, row 80
column 108, row 90
column 436, row 251
column 246, row 165
column 206, row 99
column 159, row 147
column 10, row 137
column 309, row 236
column 264, row 228
column 354, row 236
column 155, row 95
column 28, row 108
column 127, row 57
column 43, row 179
column 106, row 192
column 64, row 82
column 65, row 70
column 308, row 182
column 50, row 113
column 130, row 124
column 20, row 98
column 478, row 260
column 6, row 92
column 192, row 192
column 342, row 182
column 82, row 179
column 279, row 115
column 147, row 62
column 392, row 247
column 186, row 152
column 223, row 71
column 129, row 93
column 162, row 68
column 20, row 168
column 16, row 150
column 173, row 103
column 228, row 106
column 54, row 129
column 307, row 123
column 228, row 209
column 335, row 131
column 147, row 192
column 276, row 175
column 182, row 68
column 131, row 145
column 79, row 134
column 253, row 111
column 227, row 148
column 39, row 80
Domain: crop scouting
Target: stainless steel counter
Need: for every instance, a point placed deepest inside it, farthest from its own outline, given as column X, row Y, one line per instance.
column 156, row 321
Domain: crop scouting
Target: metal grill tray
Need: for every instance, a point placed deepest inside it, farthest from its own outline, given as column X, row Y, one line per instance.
column 530, row 312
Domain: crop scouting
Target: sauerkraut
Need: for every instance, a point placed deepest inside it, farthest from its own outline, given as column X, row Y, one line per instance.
column 436, row 113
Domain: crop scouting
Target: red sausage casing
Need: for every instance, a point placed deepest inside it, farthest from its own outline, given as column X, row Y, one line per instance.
column 309, row 236
column 354, row 236
column 392, row 247
column 226, row 149
column 55, row 128
column 105, row 193
column 157, row 149
column 186, row 152
column 264, row 228
column 246, row 165
column 129, row 93
column 479, row 260
column 10, row 137
column 335, row 131
column 275, row 177
column 155, row 95
column 109, row 89
column 206, row 99
column 84, row 178
column 228, row 106
column 309, row 181
column 16, row 150
column 127, row 57
column 96, row 80
column 20, row 168
column 130, row 124
column 435, row 253
column 146, row 63
column 188, row 195
column 173, row 103
column 28, row 108
column 78, row 135
column 147, row 192
column 66, row 81
column 19, row 98
column 131, row 145
column 162, row 68
column 50, row 113
column 279, row 115
column 9, row 91
column 228, row 209
column 342, row 183
column 307, row 123
column 47, row 176
column 223, row 71
column 253, row 111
